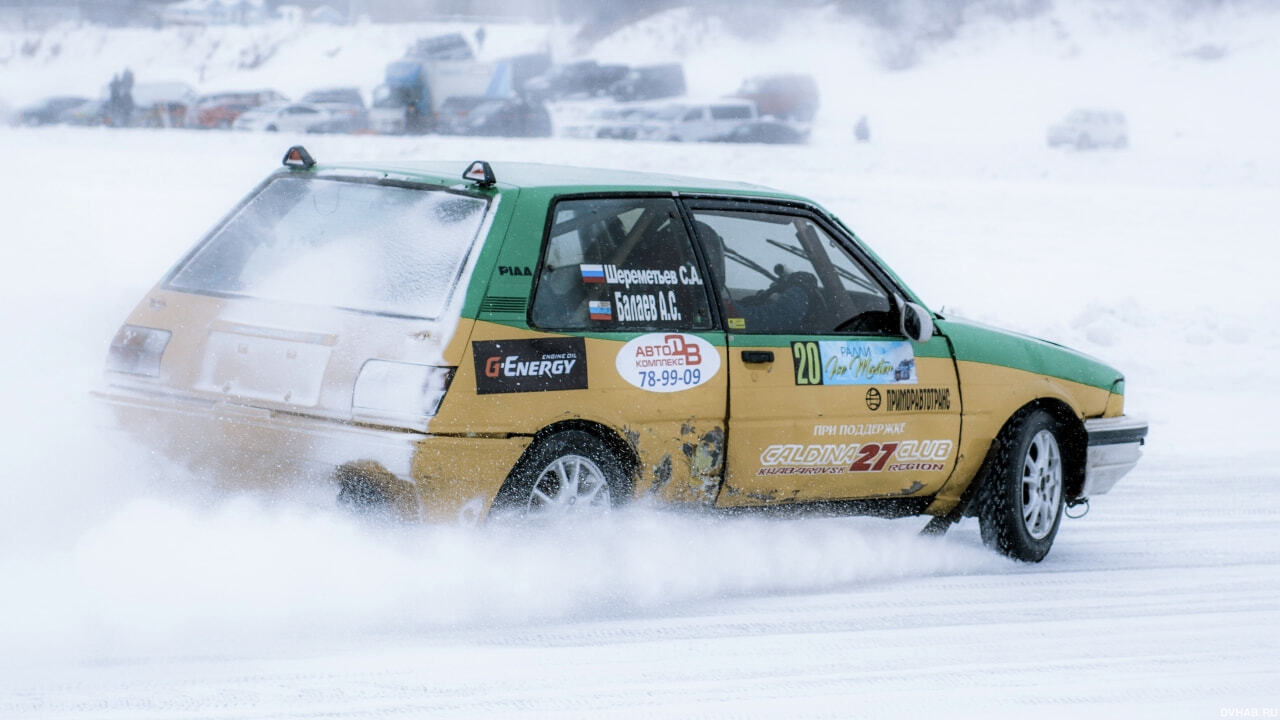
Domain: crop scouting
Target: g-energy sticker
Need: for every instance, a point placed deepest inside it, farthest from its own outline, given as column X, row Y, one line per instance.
column 668, row 362
column 511, row 366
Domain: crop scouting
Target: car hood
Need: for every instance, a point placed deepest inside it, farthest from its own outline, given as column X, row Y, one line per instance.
column 975, row 342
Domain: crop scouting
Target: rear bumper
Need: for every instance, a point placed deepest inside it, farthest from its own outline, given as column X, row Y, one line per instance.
column 241, row 447
column 1114, row 447
column 258, row 442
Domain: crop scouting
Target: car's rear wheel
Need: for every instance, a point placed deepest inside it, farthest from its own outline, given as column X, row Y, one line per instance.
column 368, row 490
column 570, row 473
column 1021, row 499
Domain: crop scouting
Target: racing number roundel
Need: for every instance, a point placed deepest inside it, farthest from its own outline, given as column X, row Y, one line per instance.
column 668, row 362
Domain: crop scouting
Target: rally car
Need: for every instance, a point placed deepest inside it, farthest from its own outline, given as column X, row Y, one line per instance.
column 451, row 342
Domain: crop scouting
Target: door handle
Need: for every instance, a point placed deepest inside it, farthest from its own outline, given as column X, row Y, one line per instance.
column 757, row 356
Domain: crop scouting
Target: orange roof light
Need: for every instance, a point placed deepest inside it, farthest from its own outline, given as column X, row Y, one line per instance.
column 298, row 157
column 480, row 172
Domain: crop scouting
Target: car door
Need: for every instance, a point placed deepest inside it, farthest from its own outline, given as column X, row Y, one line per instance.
column 827, row 399
column 617, row 289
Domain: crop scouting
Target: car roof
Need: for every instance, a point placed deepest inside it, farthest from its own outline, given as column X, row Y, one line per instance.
column 561, row 178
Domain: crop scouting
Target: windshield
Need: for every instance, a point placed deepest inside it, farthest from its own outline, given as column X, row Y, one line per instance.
column 360, row 246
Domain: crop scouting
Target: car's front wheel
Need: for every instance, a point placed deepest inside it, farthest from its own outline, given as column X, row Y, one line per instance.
column 570, row 473
column 1021, row 499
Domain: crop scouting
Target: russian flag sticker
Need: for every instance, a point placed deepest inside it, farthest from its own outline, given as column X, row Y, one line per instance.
column 592, row 273
column 600, row 309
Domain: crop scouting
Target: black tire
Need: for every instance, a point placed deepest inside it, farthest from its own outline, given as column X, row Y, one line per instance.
column 537, row 487
column 1026, row 476
column 271, row 128
column 361, row 497
column 367, row 490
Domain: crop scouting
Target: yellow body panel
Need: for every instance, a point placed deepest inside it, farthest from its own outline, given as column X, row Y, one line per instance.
column 458, row 478
column 678, row 437
column 991, row 395
column 795, row 443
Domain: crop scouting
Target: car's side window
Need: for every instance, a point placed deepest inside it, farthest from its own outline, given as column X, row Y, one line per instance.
column 618, row 264
column 783, row 273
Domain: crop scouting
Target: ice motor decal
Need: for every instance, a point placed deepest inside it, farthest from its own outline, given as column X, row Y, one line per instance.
column 511, row 366
column 853, row 362
column 668, row 362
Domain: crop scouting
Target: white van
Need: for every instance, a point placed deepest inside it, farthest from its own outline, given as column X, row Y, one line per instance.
column 700, row 122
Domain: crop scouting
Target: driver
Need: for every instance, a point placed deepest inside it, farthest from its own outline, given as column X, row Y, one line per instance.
column 780, row 307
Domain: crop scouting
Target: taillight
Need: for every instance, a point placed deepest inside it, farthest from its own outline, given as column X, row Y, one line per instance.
column 400, row 391
column 137, row 350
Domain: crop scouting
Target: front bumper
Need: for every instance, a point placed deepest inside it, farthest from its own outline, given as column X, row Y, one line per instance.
column 1114, row 447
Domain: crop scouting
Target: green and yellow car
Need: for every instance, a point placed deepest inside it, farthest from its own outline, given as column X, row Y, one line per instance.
column 544, row 340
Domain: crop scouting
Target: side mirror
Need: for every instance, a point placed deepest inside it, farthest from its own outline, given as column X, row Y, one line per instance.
column 914, row 322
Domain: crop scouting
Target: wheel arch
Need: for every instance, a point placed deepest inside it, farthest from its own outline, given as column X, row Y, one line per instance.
column 613, row 440
column 1074, row 441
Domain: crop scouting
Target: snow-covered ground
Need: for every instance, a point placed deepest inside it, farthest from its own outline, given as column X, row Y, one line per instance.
column 129, row 591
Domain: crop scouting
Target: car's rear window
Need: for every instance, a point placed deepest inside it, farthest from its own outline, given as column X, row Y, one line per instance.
column 360, row 246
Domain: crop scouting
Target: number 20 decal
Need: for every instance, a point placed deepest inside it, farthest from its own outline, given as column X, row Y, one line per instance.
column 808, row 363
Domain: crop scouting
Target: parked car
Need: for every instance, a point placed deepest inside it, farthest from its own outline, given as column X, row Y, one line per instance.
column 787, row 97
column 618, row 122
column 431, row 347
column 220, row 110
column 49, row 110
column 346, row 104
column 651, row 82
column 90, row 113
column 287, row 117
column 161, row 104
column 769, row 132
column 335, row 96
column 502, row 117
column 1086, row 129
column 585, row 78
column 702, row 121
